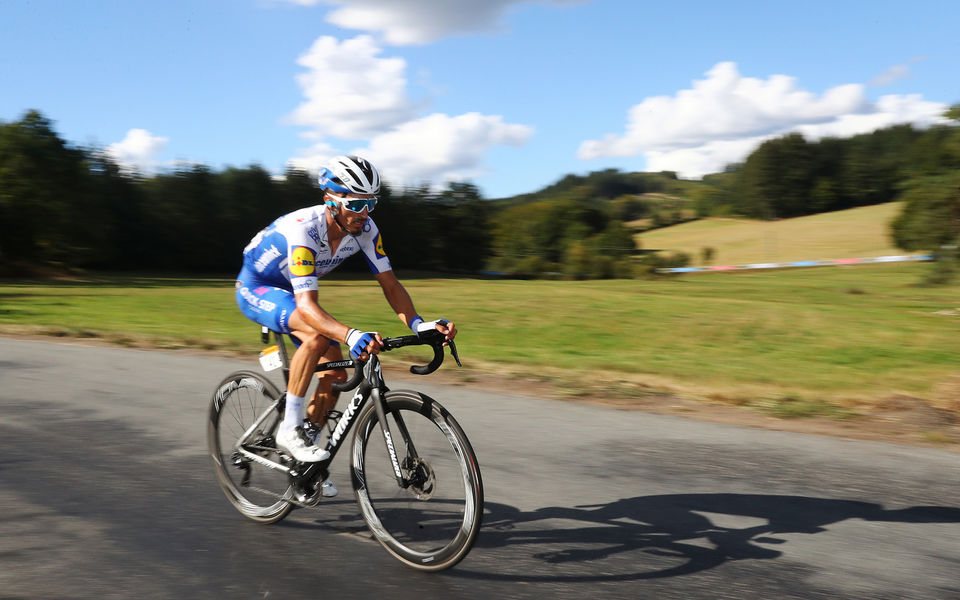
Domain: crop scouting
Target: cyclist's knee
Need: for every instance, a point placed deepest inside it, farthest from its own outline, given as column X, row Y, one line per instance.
column 313, row 343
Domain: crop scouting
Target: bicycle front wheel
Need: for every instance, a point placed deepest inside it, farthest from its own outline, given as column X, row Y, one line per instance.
column 246, row 405
column 432, row 523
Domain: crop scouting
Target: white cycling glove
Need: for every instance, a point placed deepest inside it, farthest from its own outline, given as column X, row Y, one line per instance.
column 359, row 340
column 418, row 325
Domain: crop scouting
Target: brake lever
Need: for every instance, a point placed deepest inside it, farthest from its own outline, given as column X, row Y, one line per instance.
column 453, row 351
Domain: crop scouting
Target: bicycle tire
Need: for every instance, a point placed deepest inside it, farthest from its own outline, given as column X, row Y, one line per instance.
column 431, row 526
column 236, row 404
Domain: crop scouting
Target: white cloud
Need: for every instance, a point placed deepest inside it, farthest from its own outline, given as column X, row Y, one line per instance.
column 888, row 110
column 710, row 157
column 725, row 116
column 441, row 148
column 406, row 22
column 894, row 73
column 314, row 157
column 350, row 91
column 890, row 75
column 137, row 151
column 354, row 94
column 434, row 149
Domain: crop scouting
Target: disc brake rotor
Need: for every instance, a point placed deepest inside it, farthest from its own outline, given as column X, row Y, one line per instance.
column 423, row 481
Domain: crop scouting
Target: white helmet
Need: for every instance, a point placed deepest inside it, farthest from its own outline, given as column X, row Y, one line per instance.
column 350, row 175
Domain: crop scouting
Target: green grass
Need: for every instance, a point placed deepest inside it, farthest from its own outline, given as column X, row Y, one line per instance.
column 836, row 334
column 854, row 233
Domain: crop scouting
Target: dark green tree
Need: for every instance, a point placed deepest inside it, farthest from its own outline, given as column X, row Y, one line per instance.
column 43, row 193
column 930, row 220
column 776, row 178
column 573, row 234
column 114, row 199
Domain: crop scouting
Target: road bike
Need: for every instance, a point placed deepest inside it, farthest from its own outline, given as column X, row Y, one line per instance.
column 414, row 474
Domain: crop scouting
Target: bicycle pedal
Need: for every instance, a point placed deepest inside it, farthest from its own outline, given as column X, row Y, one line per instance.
column 307, row 500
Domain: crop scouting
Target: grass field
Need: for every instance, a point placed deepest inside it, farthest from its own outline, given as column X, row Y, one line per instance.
column 839, row 335
column 854, row 233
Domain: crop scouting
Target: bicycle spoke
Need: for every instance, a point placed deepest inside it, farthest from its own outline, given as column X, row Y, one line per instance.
column 254, row 489
column 432, row 522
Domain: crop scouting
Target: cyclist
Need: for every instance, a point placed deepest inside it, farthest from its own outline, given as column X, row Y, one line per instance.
column 278, row 287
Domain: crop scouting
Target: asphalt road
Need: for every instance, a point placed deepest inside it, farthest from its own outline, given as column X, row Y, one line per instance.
column 106, row 492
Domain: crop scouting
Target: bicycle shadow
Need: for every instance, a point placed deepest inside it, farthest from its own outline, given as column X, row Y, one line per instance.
column 669, row 532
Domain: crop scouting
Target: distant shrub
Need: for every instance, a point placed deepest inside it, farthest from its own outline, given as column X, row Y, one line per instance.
column 653, row 262
column 707, row 254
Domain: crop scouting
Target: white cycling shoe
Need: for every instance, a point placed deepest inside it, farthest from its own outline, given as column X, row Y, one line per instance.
column 298, row 444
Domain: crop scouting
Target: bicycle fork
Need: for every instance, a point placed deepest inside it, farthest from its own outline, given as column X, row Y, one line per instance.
column 375, row 380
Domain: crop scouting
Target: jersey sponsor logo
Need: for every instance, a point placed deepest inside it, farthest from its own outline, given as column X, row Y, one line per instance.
column 314, row 234
column 330, row 262
column 378, row 248
column 269, row 255
column 305, row 285
column 256, row 302
column 302, row 262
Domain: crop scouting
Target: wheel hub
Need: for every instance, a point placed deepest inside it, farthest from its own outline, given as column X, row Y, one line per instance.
column 423, row 481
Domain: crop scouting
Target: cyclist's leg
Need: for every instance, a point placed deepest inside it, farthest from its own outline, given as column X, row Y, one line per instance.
column 275, row 308
column 312, row 348
column 324, row 397
column 292, row 437
column 265, row 304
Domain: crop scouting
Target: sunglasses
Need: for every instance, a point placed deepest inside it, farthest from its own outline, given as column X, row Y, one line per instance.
column 355, row 204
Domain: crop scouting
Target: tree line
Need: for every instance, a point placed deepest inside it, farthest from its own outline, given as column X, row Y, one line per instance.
column 791, row 176
column 68, row 208
column 65, row 208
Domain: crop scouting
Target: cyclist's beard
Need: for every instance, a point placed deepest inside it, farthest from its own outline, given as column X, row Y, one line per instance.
column 336, row 218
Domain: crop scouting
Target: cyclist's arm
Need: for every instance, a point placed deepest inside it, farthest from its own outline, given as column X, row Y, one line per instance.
column 402, row 304
column 397, row 296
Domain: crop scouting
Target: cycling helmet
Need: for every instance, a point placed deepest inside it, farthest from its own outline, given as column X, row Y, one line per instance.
column 350, row 175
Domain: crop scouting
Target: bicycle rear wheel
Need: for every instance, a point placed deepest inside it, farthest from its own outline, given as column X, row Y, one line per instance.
column 254, row 489
column 432, row 524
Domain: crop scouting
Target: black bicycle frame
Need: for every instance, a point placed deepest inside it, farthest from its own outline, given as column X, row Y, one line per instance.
column 371, row 386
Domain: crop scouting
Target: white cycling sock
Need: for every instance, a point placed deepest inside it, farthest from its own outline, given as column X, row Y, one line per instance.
column 293, row 413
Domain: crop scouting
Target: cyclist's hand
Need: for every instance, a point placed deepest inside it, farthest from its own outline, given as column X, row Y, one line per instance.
column 447, row 328
column 364, row 343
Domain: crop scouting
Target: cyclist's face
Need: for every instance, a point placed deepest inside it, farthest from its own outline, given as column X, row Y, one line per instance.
column 352, row 221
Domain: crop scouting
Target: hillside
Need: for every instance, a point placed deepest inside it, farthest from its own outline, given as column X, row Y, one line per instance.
column 853, row 233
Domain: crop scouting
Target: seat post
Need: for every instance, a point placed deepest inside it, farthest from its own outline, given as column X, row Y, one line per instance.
column 283, row 356
column 278, row 337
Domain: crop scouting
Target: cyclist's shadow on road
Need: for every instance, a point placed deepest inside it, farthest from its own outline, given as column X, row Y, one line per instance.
column 662, row 536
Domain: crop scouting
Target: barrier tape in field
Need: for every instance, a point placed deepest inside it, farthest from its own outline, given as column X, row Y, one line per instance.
column 801, row 263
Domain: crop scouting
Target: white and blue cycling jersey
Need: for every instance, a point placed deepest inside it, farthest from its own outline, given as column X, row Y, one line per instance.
column 290, row 256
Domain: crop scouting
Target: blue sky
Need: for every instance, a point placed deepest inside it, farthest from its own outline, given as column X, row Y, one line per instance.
column 511, row 95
